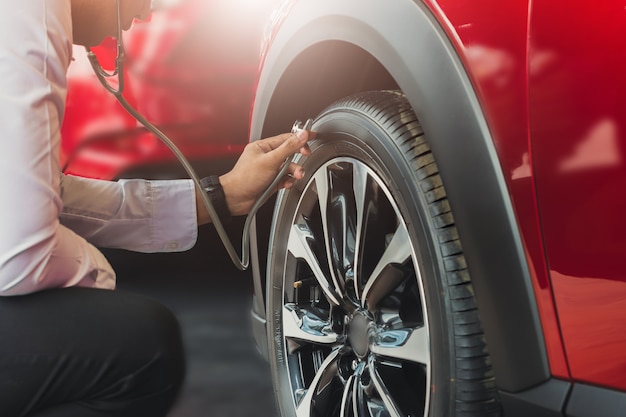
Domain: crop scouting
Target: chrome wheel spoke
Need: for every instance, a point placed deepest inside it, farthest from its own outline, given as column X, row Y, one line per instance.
column 376, row 409
column 347, row 407
column 306, row 326
column 360, row 177
column 323, row 378
column 299, row 247
column 385, row 276
column 361, row 404
column 323, row 191
column 404, row 344
column 390, row 404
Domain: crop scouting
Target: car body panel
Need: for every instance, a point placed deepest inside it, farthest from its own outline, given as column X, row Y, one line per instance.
column 578, row 121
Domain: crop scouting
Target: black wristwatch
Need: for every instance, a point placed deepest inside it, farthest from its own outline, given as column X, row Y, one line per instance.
column 214, row 190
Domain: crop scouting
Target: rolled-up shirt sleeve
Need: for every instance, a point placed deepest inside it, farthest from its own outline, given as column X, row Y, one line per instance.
column 50, row 225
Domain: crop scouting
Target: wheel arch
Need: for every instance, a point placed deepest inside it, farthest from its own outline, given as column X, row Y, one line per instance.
column 325, row 51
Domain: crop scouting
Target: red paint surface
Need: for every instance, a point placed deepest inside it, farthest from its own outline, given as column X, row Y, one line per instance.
column 549, row 76
column 578, row 117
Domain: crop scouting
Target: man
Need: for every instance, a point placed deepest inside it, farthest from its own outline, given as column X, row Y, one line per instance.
column 68, row 345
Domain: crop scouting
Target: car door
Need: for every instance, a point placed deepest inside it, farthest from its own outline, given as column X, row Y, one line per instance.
column 577, row 121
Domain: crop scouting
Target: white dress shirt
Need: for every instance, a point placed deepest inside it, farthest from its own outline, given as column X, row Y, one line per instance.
column 50, row 224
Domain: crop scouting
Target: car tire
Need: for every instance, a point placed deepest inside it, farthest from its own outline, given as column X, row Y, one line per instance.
column 371, row 310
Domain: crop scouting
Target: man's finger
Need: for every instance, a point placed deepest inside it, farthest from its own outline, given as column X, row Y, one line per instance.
column 284, row 145
column 293, row 143
column 269, row 144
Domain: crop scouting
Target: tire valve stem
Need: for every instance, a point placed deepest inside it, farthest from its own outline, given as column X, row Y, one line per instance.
column 298, row 126
column 299, row 284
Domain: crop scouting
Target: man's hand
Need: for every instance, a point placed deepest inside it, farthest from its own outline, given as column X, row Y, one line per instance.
column 256, row 168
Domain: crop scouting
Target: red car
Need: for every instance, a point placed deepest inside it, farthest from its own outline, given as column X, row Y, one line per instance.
column 190, row 70
column 457, row 246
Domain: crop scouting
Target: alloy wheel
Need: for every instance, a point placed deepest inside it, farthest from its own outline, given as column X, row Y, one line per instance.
column 353, row 317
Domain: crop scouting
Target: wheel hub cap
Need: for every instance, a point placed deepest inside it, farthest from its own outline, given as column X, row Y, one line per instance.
column 359, row 334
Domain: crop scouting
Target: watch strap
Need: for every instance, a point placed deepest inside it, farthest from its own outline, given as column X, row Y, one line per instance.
column 215, row 192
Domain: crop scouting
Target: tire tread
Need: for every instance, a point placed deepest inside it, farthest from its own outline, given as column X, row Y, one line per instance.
column 475, row 385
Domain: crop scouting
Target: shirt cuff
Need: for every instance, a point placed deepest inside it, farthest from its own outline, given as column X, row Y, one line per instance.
column 174, row 219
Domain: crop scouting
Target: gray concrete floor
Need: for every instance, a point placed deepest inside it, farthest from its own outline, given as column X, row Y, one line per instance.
column 226, row 376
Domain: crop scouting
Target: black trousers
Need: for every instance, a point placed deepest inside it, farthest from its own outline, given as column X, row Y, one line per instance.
column 88, row 353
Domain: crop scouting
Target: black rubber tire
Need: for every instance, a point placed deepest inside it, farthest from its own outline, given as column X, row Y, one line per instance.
column 380, row 131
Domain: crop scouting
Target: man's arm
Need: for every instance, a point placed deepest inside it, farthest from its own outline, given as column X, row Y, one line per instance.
column 137, row 215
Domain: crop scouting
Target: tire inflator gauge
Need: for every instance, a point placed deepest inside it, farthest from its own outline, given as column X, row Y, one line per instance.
column 118, row 72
